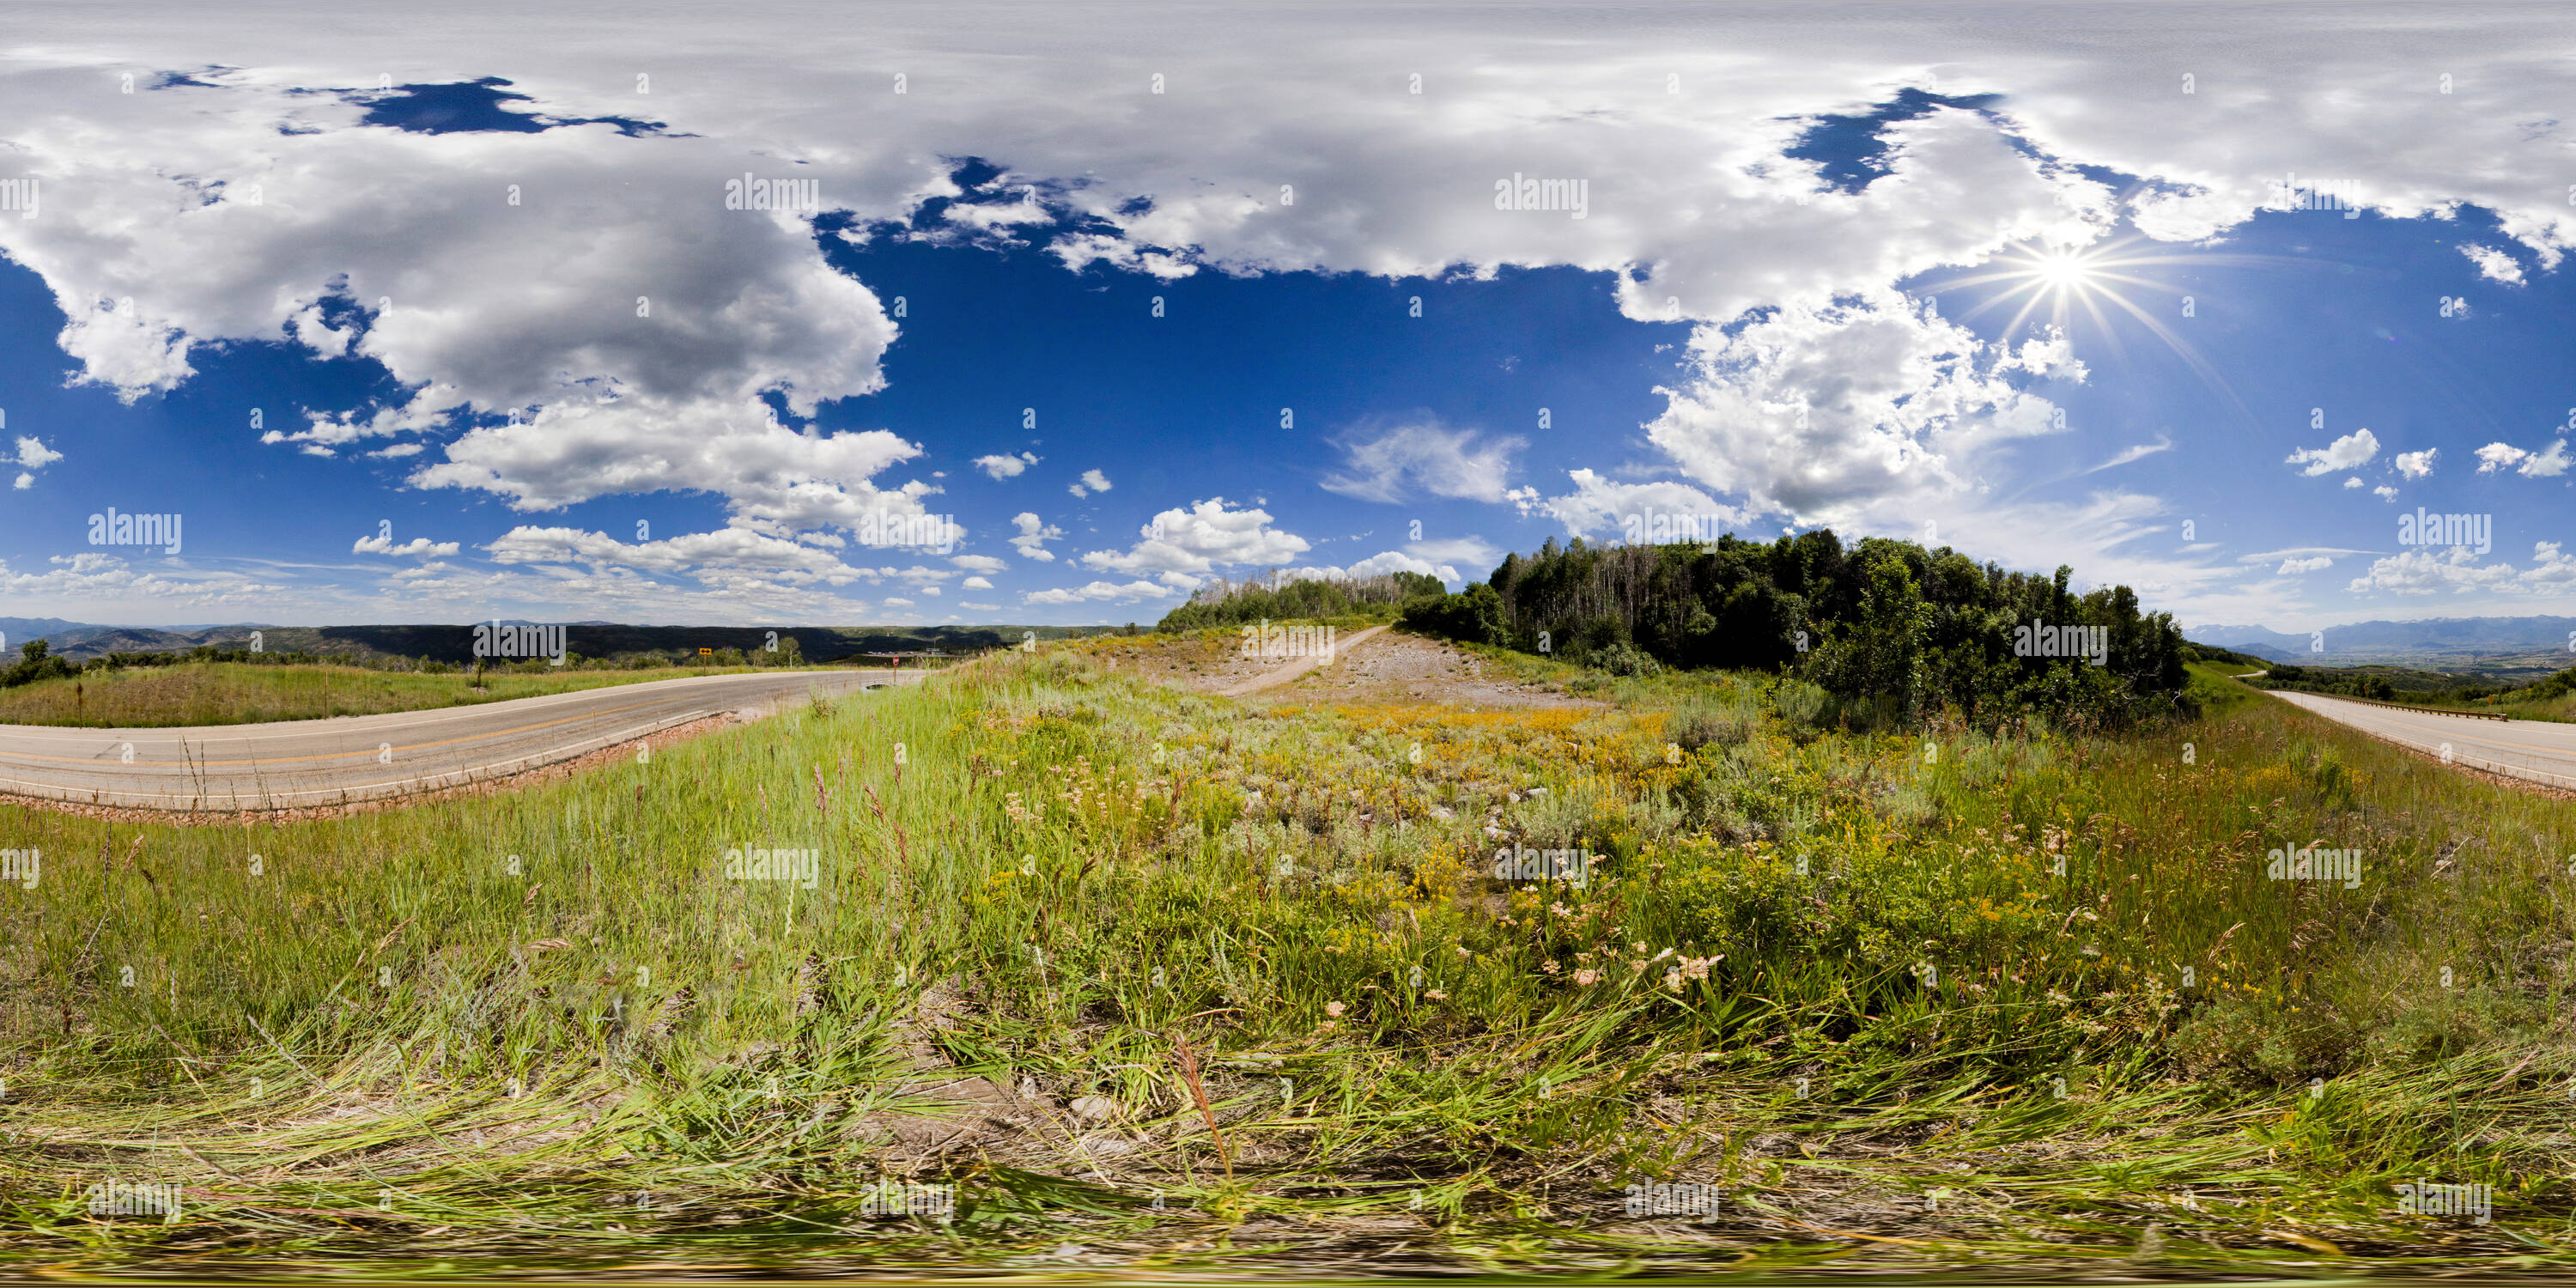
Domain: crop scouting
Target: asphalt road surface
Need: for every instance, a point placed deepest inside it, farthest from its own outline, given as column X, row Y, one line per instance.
column 2540, row 750
column 303, row 763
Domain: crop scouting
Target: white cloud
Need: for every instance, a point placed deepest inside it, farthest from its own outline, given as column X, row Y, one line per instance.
column 1822, row 413
column 1379, row 565
column 1202, row 537
column 1006, row 467
column 1031, row 543
column 1100, row 592
column 33, row 453
column 2347, row 452
column 416, row 547
column 1431, row 458
column 978, row 563
column 1473, row 552
column 975, row 583
column 1600, row 507
column 2296, row 567
column 2493, row 264
column 2548, row 464
column 2352, row 484
column 724, row 555
column 1092, row 481
column 2416, row 465
column 2425, row 572
column 102, row 579
column 2138, row 452
column 2384, row 492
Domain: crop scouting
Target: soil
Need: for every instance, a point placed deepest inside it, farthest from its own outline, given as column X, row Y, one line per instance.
column 1389, row 667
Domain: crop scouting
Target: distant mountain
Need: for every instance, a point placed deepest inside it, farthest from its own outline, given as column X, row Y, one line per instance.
column 21, row 629
column 2504, row 647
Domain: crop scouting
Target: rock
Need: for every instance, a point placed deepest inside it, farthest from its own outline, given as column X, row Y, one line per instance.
column 1099, row 1109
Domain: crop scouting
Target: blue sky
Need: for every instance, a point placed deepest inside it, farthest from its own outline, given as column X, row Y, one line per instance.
column 2043, row 306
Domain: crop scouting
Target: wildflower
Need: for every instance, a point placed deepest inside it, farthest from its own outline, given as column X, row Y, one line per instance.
column 1334, row 1009
column 1435, row 995
column 1673, row 979
column 1550, row 967
column 1587, row 978
column 1462, row 951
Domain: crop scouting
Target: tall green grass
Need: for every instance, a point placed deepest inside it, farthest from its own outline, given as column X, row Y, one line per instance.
column 1922, row 989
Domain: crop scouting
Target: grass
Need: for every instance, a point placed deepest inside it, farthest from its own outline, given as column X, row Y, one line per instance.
column 222, row 693
column 1902, row 999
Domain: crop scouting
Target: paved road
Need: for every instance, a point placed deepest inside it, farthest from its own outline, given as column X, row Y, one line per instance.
column 355, row 758
column 2540, row 750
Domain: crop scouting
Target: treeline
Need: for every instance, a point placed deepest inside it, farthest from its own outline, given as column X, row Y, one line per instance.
column 1893, row 632
column 1276, row 598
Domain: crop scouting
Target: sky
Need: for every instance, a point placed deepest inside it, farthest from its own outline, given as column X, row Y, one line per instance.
column 919, row 314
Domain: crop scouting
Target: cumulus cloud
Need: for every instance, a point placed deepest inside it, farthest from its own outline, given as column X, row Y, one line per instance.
column 717, row 555
column 1426, row 457
column 417, row 547
column 1092, row 481
column 978, row 563
column 1376, row 565
column 1100, row 592
column 2493, row 264
column 2416, row 465
column 34, row 455
column 1000, row 467
column 2348, row 452
column 1599, row 506
column 1821, row 413
column 1467, row 552
column 1034, row 534
column 975, row 583
column 2548, row 464
column 2296, row 567
column 1202, row 537
column 2426, row 572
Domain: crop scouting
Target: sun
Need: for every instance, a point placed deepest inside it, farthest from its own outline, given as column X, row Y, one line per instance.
column 2063, row 269
column 2053, row 284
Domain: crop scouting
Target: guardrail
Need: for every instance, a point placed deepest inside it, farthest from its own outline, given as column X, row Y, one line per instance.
column 2430, row 711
